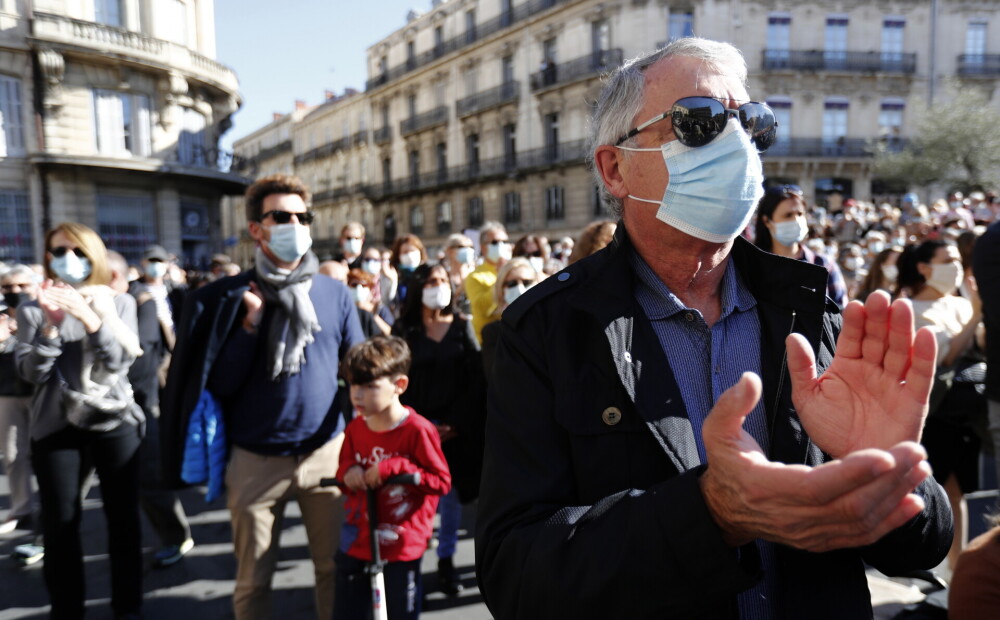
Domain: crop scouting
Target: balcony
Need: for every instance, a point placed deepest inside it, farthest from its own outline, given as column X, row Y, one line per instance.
column 420, row 122
column 567, row 153
column 505, row 93
column 336, row 193
column 107, row 41
column 818, row 147
column 591, row 65
column 480, row 32
column 819, row 60
column 360, row 137
column 382, row 136
column 983, row 65
column 324, row 150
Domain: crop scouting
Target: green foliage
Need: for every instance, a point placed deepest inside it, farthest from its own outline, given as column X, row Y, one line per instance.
column 957, row 144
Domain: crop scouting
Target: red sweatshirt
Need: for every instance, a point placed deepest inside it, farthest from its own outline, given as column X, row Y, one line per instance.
column 405, row 512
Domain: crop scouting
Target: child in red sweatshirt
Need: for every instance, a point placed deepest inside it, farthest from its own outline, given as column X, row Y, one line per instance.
column 385, row 439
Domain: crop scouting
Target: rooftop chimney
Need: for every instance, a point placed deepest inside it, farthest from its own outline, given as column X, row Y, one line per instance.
column 300, row 104
column 276, row 116
column 328, row 95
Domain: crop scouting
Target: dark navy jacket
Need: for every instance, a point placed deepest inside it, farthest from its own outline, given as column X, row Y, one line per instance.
column 579, row 518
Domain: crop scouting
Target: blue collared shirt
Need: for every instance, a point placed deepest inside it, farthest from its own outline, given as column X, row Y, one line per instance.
column 707, row 361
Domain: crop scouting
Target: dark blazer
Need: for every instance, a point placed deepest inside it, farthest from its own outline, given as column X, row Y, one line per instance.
column 986, row 268
column 208, row 315
column 579, row 518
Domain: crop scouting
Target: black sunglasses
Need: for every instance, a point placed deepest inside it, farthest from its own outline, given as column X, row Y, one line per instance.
column 284, row 217
column 498, row 241
column 61, row 250
column 698, row 120
column 513, row 283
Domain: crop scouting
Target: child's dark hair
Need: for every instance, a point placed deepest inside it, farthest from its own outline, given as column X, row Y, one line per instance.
column 377, row 357
column 910, row 279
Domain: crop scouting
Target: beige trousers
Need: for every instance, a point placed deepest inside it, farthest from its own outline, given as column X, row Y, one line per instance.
column 259, row 488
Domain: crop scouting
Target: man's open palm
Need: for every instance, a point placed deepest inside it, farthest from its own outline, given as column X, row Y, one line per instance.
column 875, row 393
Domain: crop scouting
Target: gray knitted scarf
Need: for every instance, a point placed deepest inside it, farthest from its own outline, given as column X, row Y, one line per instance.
column 294, row 321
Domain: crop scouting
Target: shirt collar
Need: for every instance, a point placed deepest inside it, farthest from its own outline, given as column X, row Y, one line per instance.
column 659, row 302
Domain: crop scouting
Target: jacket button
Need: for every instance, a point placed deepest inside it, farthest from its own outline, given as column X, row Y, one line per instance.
column 612, row 416
column 562, row 277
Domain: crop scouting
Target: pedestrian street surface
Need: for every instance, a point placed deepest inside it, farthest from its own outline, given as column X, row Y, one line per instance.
column 200, row 585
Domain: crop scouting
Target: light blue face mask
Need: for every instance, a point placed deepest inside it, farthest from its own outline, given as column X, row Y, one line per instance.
column 289, row 242
column 71, row 268
column 713, row 189
column 787, row 233
column 465, row 255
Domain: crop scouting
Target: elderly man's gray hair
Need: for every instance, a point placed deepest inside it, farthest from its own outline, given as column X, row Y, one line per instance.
column 622, row 96
column 491, row 227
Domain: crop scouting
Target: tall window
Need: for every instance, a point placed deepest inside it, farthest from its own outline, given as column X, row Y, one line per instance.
column 108, row 12
column 417, row 220
column 440, row 90
column 507, row 69
column 555, row 210
column 834, row 125
column 411, row 105
column 11, row 117
column 386, row 173
column 472, row 153
column 15, row 227
column 552, row 136
column 385, row 114
column 438, row 40
column 414, row 168
column 975, row 42
column 782, row 107
column 681, row 25
column 779, row 26
column 125, row 221
column 510, row 146
column 835, row 44
column 443, row 217
column 442, row 162
column 122, row 122
column 512, row 208
column 892, row 40
column 471, row 80
column 475, row 212
column 470, row 26
column 890, row 122
column 600, row 36
column 550, row 51
column 191, row 141
column 411, row 55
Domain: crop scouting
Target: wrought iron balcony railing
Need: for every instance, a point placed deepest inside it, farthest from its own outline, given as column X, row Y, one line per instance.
column 324, row 150
column 382, row 135
column 590, row 65
column 821, row 60
column 979, row 64
column 505, row 93
column 420, row 122
column 842, row 147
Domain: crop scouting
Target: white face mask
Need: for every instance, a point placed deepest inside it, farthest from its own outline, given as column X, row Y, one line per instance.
column 537, row 263
column 854, row 263
column 465, row 255
column 361, row 294
column 156, row 269
column 890, row 273
column 499, row 251
column 372, row 266
column 513, row 292
column 712, row 189
column 352, row 246
column 410, row 259
column 289, row 242
column 437, row 297
column 788, row 233
column 946, row 277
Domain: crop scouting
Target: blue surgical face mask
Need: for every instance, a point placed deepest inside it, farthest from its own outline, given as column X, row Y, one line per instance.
column 465, row 255
column 352, row 246
column 788, row 233
column 156, row 269
column 71, row 268
column 289, row 242
column 713, row 189
column 372, row 266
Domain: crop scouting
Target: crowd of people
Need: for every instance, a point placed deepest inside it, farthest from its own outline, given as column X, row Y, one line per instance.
column 377, row 362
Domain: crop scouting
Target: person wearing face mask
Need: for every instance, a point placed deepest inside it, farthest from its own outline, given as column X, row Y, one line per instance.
column 460, row 261
column 408, row 253
column 495, row 249
column 781, row 229
column 882, row 275
column 930, row 274
column 361, row 284
column 535, row 249
column 18, row 288
column 658, row 441
column 76, row 342
column 386, row 278
column 447, row 385
column 515, row 278
column 147, row 375
column 352, row 241
column 266, row 344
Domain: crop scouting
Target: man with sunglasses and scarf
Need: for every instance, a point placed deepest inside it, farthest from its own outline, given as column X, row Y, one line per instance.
column 267, row 344
column 658, row 443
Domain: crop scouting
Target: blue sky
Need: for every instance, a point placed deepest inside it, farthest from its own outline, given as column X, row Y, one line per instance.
column 296, row 49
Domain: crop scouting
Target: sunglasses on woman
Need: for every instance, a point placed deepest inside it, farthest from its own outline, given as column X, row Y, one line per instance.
column 515, row 282
column 284, row 217
column 698, row 120
column 61, row 250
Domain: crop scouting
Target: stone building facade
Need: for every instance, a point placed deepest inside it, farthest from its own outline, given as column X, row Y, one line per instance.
column 477, row 109
column 112, row 112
